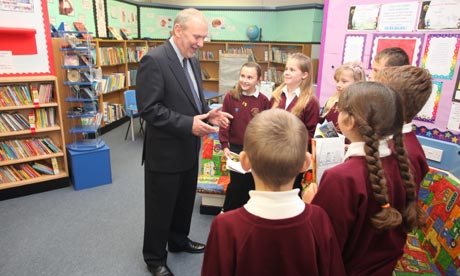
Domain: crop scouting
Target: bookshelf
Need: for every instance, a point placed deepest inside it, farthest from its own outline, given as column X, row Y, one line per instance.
column 118, row 61
column 32, row 147
column 270, row 56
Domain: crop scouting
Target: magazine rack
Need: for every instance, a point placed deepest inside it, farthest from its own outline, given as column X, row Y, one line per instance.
column 79, row 66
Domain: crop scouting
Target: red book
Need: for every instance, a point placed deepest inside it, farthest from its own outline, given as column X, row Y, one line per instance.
column 82, row 28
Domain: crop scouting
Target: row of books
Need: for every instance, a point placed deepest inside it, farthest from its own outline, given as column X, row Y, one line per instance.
column 13, row 122
column 135, row 55
column 112, row 55
column 42, row 118
column 113, row 112
column 274, row 75
column 24, row 171
column 45, row 93
column 45, row 117
column 243, row 50
column 109, row 83
column 24, row 148
column 15, row 95
column 131, row 79
column 205, row 55
column 277, row 55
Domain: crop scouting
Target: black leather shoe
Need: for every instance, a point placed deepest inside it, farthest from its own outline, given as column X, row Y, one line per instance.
column 160, row 270
column 189, row 247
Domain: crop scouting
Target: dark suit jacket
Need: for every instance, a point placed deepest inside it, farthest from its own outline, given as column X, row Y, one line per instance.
column 165, row 101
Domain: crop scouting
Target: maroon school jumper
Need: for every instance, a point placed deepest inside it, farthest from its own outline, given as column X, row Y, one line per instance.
column 332, row 116
column 243, row 111
column 241, row 243
column 416, row 157
column 346, row 197
column 309, row 115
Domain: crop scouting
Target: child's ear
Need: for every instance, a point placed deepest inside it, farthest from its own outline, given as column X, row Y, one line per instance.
column 349, row 122
column 307, row 162
column 244, row 160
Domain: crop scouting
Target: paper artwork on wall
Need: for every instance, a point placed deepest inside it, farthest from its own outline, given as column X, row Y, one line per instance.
column 101, row 24
column 440, row 55
column 363, row 17
column 454, row 118
column 439, row 14
column 398, row 17
column 410, row 43
column 353, row 48
column 429, row 111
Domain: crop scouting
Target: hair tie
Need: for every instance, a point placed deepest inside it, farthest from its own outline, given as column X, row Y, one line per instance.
column 385, row 206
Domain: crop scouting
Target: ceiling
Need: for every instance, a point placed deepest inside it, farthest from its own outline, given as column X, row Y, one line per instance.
column 237, row 3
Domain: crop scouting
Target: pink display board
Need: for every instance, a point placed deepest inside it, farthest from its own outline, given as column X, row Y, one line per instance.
column 338, row 40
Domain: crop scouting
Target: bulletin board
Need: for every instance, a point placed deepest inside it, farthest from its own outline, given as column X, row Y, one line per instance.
column 230, row 25
column 428, row 30
column 25, row 39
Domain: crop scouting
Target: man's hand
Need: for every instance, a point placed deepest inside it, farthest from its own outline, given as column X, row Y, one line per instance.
column 200, row 128
column 219, row 118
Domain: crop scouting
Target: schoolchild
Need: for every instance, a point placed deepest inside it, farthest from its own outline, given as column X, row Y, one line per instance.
column 275, row 232
column 344, row 75
column 295, row 92
column 415, row 86
column 243, row 102
column 296, row 96
column 370, row 197
column 393, row 56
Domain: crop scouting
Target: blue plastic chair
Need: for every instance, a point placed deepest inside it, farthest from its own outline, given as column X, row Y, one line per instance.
column 132, row 112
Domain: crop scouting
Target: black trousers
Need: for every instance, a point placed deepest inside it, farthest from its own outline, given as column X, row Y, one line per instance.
column 237, row 193
column 169, row 201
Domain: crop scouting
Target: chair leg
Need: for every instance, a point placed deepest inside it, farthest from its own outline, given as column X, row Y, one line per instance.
column 132, row 128
column 141, row 130
column 127, row 130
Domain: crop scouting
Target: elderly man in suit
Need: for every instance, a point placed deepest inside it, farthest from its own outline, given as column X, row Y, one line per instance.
column 170, row 99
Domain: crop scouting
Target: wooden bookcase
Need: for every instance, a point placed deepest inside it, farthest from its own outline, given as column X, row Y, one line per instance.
column 15, row 142
column 116, row 58
column 270, row 56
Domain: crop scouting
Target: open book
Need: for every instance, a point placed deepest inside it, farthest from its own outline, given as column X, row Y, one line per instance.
column 234, row 164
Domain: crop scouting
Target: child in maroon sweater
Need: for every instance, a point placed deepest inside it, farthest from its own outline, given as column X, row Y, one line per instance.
column 275, row 233
column 370, row 197
column 414, row 85
column 243, row 102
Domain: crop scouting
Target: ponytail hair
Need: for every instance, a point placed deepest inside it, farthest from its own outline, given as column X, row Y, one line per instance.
column 369, row 103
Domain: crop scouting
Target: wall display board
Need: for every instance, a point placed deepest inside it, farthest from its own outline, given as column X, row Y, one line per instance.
column 69, row 11
column 122, row 15
column 25, row 38
column 429, row 31
column 231, row 25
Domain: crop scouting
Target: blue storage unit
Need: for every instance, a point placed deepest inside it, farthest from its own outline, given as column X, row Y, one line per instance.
column 89, row 168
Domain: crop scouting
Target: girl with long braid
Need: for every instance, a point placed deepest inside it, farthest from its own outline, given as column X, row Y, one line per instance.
column 370, row 198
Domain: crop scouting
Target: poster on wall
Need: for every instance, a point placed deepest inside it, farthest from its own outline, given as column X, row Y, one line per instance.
column 410, row 43
column 101, row 24
column 439, row 14
column 456, row 96
column 25, row 38
column 440, row 55
column 354, row 48
column 399, row 17
column 454, row 117
column 430, row 109
column 363, row 17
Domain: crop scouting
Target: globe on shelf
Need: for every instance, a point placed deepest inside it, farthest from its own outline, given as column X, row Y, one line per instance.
column 252, row 32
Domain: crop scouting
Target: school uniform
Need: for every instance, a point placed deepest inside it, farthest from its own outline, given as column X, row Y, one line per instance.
column 232, row 137
column 332, row 116
column 309, row 115
column 416, row 155
column 275, row 233
column 345, row 194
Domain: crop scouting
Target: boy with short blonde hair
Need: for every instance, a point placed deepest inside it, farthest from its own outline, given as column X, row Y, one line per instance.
column 275, row 233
